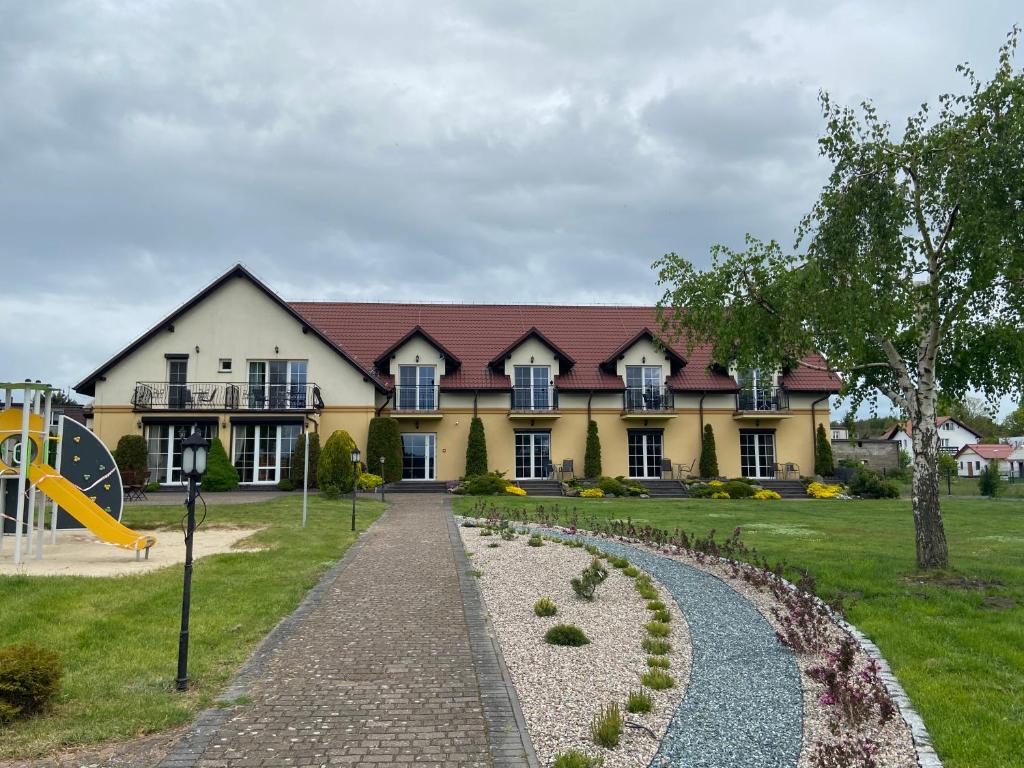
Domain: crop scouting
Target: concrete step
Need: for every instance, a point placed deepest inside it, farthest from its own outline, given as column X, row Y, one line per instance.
column 664, row 489
column 787, row 489
column 540, row 487
column 417, row 486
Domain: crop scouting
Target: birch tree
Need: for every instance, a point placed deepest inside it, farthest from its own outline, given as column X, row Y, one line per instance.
column 909, row 271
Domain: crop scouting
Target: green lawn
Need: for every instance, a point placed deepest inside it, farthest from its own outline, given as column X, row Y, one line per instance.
column 955, row 639
column 118, row 637
column 968, row 486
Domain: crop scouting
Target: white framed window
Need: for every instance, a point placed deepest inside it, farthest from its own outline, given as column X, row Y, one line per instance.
column 224, row 365
column 531, row 389
column 417, row 388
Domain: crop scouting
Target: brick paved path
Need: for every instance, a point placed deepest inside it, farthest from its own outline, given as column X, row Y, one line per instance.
column 380, row 669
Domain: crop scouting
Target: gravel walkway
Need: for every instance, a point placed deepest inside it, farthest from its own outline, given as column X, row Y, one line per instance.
column 744, row 704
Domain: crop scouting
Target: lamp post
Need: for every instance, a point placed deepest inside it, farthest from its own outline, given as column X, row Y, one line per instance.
column 193, row 466
column 355, row 481
column 382, row 478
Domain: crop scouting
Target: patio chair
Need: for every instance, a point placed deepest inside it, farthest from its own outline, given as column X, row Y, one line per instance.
column 684, row 470
column 667, row 466
column 205, row 398
column 566, row 469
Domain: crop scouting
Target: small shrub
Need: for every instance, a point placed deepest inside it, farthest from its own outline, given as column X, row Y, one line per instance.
column 823, row 490
column 656, row 646
column 657, row 679
column 493, row 544
column 657, row 629
column 369, row 481
column 737, row 489
column 486, row 532
column 989, row 482
column 606, row 727
column 593, row 550
column 655, row 605
column 587, row 583
column 285, row 484
column 29, row 679
column 868, row 484
column 766, row 495
column 566, row 634
column 334, row 466
column 152, row 487
column 591, row 493
column 132, row 454
column 329, row 490
column 658, row 662
column 663, row 616
column 491, row 484
column 545, row 607
column 639, row 702
column 535, row 541
column 514, row 490
column 646, row 588
column 631, row 572
column 720, row 495
column 610, row 486
column 220, row 474
column 576, row 759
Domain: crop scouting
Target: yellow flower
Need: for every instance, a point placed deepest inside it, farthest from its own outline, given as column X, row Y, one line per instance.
column 720, row 495
column 515, row 490
column 715, row 483
column 824, row 490
column 764, row 493
column 591, row 493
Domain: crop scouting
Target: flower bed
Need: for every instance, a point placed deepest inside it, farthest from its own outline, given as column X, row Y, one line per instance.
column 562, row 688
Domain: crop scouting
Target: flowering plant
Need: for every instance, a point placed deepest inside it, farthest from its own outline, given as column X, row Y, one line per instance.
column 764, row 493
column 715, row 483
column 514, row 490
column 720, row 495
column 368, row 481
column 824, row 490
column 591, row 493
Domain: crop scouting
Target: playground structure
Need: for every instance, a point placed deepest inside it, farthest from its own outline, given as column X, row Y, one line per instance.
column 89, row 490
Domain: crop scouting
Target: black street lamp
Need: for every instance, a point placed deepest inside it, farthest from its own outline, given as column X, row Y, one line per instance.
column 382, row 478
column 193, row 466
column 355, row 481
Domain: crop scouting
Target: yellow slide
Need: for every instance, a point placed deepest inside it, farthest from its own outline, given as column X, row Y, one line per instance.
column 82, row 508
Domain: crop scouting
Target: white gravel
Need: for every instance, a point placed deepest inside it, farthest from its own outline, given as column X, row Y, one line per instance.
column 560, row 689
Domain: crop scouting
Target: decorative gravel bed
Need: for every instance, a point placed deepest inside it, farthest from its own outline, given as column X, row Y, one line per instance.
column 560, row 689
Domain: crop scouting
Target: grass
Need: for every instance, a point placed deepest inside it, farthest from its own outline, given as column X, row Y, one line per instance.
column 639, row 702
column 118, row 637
column 658, row 662
column 656, row 646
column 566, row 634
column 606, row 727
column 657, row 679
column 968, row 487
column 545, row 607
column 955, row 639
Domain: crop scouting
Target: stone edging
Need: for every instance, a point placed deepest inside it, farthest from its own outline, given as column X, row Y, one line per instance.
column 189, row 749
column 506, row 726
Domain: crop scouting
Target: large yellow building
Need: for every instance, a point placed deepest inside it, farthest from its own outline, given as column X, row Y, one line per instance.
column 239, row 362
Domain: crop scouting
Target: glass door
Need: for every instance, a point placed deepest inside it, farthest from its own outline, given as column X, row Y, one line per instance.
column 645, row 451
column 263, row 452
column 757, row 454
column 418, row 457
column 643, row 387
column 177, row 383
column 533, row 455
column 257, row 384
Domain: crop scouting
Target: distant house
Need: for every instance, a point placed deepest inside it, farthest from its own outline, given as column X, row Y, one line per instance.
column 840, row 433
column 1016, row 460
column 1016, row 441
column 953, row 435
column 972, row 459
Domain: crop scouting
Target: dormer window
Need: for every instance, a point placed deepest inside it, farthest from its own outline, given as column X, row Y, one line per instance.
column 644, row 387
column 532, row 388
column 416, row 389
column 757, row 390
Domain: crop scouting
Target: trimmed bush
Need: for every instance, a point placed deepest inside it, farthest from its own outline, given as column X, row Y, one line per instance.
column 737, row 489
column 368, row 481
column 335, row 464
column 299, row 459
column 545, row 607
column 657, row 679
column 535, row 541
column 384, row 439
column 220, row 475
column 491, row 484
column 476, row 449
column 989, row 481
column 329, row 491
column 29, row 680
column 592, row 457
column 708, row 454
column 606, row 727
column 639, row 702
column 576, row 759
column 824, row 463
column 655, row 605
column 868, row 484
column 566, row 634
column 609, row 486
column 663, row 616
column 131, row 455
column 285, row 484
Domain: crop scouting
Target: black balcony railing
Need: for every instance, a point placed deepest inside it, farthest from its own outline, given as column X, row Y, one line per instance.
column 530, row 399
column 774, row 399
column 645, row 399
column 416, row 397
column 225, row 396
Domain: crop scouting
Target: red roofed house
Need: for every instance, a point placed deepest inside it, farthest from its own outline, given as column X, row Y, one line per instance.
column 239, row 362
column 973, row 458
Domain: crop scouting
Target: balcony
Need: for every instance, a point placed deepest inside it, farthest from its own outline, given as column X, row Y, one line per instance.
column 225, row 396
column 529, row 402
column 648, row 403
column 762, row 404
column 416, row 401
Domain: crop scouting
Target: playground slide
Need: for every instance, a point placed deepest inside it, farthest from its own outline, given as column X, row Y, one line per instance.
column 83, row 509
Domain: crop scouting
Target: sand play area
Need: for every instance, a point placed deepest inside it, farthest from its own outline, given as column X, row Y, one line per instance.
column 77, row 553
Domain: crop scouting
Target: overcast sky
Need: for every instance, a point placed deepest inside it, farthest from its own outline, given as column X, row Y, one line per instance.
column 468, row 151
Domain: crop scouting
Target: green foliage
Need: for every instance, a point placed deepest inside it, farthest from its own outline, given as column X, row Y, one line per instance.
column 606, row 727
column 576, row 759
column 618, row 562
column 566, row 634
column 639, row 702
column 646, row 588
column 220, row 474
column 369, row 481
column 335, row 464
column 545, row 607
column 131, row 455
column 658, row 662
column 737, row 489
column 490, row 484
column 330, row 491
column 286, row 484
column 29, row 679
column 586, row 584
column 476, row 449
column 631, row 571
column 947, row 464
column 708, row 454
column 299, row 459
column 824, row 463
column 657, row 679
column 989, row 481
column 655, row 605
column 384, row 439
column 656, row 646
column 535, row 541
column 592, row 456
column 611, row 486
column 657, row 629
column 663, row 616
column 868, row 484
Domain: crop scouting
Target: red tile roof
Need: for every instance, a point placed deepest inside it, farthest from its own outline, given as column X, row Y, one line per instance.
column 986, row 451
column 477, row 333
